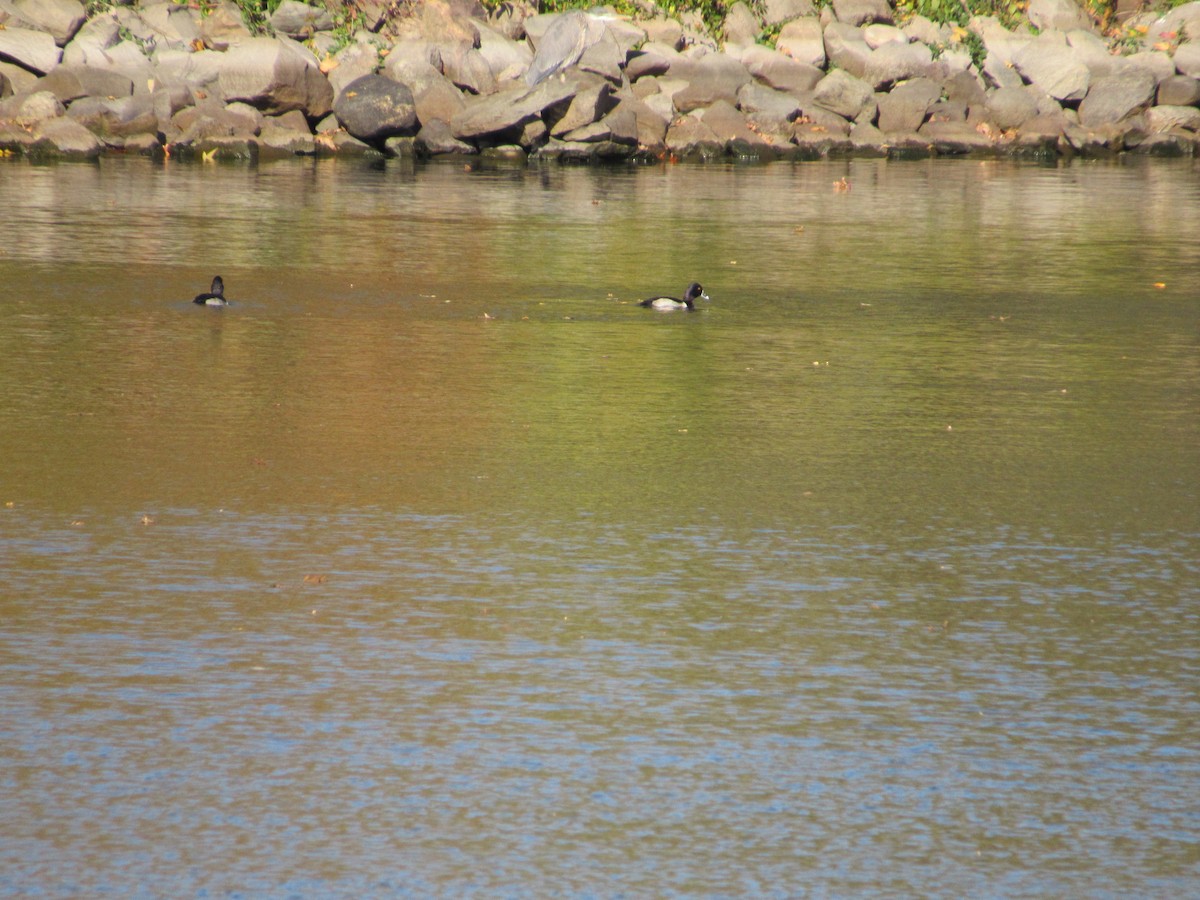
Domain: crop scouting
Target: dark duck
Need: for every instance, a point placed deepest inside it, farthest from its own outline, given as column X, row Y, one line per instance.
column 690, row 296
column 215, row 295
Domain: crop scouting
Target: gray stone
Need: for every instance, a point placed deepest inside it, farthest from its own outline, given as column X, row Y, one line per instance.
column 31, row 107
column 198, row 71
column 1187, row 58
column 652, row 59
column 846, row 49
column 437, row 99
column 804, row 41
column 351, row 63
column 1169, row 144
column 299, row 20
column 72, row 82
column 466, row 68
column 436, row 139
column 223, row 28
column 842, row 93
column 897, row 62
column 651, row 127
column 1058, row 15
column 169, row 26
column 120, row 117
column 1054, row 67
column 956, row 138
column 817, row 142
column 592, row 100
column 867, row 140
column 60, row 18
column 1165, row 118
column 144, row 145
column 906, row 107
column 374, row 108
column 919, row 28
column 778, row 11
column 277, row 141
column 19, row 80
column 710, row 78
column 1000, row 73
column 510, row 109
column 768, row 110
column 95, row 36
column 778, row 71
column 618, row 127
column 1179, row 90
column 275, row 75
column 742, row 26
column 66, row 137
column 1158, row 64
column 507, row 59
column 604, row 58
column 1113, row 98
column 33, row 50
column 667, row 32
column 1092, row 51
column 876, row 35
column 965, row 88
column 690, row 137
column 729, row 125
column 1011, row 107
column 862, row 12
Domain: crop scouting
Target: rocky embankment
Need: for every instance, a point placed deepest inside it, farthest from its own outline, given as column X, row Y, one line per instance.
column 446, row 77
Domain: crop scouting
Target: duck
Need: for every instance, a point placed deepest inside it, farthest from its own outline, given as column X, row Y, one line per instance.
column 693, row 293
column 215, row 295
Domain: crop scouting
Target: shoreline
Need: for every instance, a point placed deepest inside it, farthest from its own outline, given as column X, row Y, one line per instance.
column 449, row 79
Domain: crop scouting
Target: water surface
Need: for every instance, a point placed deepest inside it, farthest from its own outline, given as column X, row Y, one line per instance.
column 433, row 566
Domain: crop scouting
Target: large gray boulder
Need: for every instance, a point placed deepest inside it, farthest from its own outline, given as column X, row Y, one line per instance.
column 72, row 82
column 779, row 71
column 709, row 78
column 1011, row 107
column 907, row 106
column 59, row 18
column 299, row 20
column 1115, row 97
column 1167, row 118
column 846, row 48
column 65, row 137
column 803, row 40
column 374, row 108
column 862, row 12
column 197, row 71
column 1058, row 15
column 688, row 137
column 31, row 107
column 1179, row 90
column 894, row 62
column 768, row 110
column 1054, row 67
column 511, row 109
column 507, row 59
column 275, row 75
column 351, row 63
column 33, row 50
column 436, row 139
column 842, row 93
column 592, row 101
column 1187, row 57
column 167, row 26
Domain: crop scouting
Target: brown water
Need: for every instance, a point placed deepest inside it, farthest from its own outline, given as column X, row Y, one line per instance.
column 879, row 575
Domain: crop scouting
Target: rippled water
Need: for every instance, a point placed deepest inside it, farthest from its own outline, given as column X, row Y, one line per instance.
column 435, row 567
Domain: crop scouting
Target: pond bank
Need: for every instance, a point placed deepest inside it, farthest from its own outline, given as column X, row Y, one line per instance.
column 446, row 77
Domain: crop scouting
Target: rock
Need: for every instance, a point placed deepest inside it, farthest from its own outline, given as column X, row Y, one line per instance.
column 1114, row 97
column 897, row 62
column 803, row 41
column 689, row 137
column 778, row 71
column 437, row 99
column 96, row 36
column 742, row 27
column 1092, row 51
column 279, row 139
column 144, row 145
column 651, row 128
column 374, row 108
column 107, row 118
column 617, row 131
column 604, row 58
column 1000, row 73
column 510, row 109
column 560, row 40
column 69, row 83
column 877, row 35
column 1158, row 64
column 845, row 48
column 776, row 12
column 467, row 69
column 299, row 20
column 436, row 139
column 768, row 110
column 507, row 59
column 710, row 78
column 1166, row 118
column 168, row 26
column 842, row 93
column 198, row 71
column 1169, row 144
column 592, row 100
column 667, row 32
column 275, row 75
column 816, row 142
column 1053, row 66
column 862, row 12
column 33, row 50
column 867, row 140
column 1179, row 90
column 18, row 79
column 223, row 28
column 730, row 126
column 1011, row 107
column 351, row 63
column 906, row 107
column 1187, row 58
column 652, row 59
column 31, row 107
column 955, row 138
column 66, row 137
column 919, row 28
column 966, row 89
column 61, row 19
column 1058, row 15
